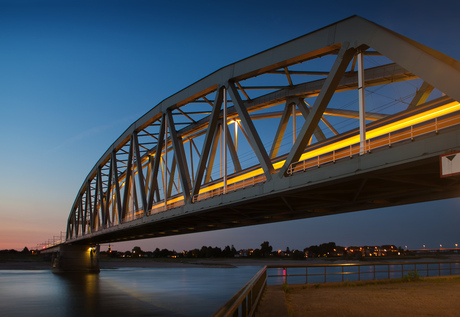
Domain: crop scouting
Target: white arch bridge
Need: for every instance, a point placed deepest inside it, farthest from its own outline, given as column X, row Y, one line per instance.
column 350, row 117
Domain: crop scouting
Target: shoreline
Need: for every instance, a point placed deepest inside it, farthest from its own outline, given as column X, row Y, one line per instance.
column 29, row 263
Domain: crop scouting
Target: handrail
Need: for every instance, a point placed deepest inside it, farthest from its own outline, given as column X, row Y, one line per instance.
column 386, row 140
column 245, row 301
column 418, row 266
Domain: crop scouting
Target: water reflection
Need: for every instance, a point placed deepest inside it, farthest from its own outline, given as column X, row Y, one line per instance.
column 92, row 295
column 120, row 292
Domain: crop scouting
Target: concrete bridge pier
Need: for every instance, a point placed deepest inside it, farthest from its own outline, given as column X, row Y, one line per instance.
column 73, row 258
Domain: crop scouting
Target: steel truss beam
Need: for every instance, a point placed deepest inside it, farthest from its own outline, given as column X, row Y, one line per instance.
column 129, row 180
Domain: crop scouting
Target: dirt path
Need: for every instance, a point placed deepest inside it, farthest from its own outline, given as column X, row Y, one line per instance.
column 427, row 297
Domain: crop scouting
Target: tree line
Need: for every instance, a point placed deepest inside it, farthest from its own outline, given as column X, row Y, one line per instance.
column 329, row 249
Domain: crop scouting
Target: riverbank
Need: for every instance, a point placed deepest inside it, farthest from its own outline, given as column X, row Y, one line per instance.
column 37, row 262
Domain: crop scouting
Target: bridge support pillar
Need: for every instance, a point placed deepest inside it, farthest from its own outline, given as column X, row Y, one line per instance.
column 76, row 258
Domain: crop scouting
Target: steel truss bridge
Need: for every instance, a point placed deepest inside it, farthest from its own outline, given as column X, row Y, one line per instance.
column 350, row 117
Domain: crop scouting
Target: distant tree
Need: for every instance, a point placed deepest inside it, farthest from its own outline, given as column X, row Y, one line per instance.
column 298, row 255
column 257, row 253
column 164, row 253
column 234, row 252
column 326, row 248
column 288, row 251
column 156, row 253
column 217, row 252
column 25, row 250
column 227, row 252
column 203, row 252
column 265, row 248
column 137, row 252
column 193, row 253
column 313, row 251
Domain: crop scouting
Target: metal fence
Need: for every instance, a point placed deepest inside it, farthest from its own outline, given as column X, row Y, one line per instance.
column 245, row 301
column 322, row 273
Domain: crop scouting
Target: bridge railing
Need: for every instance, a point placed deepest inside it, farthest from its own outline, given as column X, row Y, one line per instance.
column 245, row 301
column 386, row 140
column 245, row 183
column 56, row 240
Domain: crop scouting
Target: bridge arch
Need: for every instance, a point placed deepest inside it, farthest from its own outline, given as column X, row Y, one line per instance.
column 181, row 169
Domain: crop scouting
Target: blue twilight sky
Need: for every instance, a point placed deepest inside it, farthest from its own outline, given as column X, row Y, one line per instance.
column 75, row 74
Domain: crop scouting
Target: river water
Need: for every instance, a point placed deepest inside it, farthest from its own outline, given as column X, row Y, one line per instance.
column 121, row 292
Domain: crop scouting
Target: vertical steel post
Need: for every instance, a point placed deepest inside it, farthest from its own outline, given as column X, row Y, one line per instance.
column 224, row 139
column 191, row 159
column 165, row 170
column 362, row 120
column 236, row 136
column 294, row 126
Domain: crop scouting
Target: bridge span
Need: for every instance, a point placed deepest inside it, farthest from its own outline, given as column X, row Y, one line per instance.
column 350, row 117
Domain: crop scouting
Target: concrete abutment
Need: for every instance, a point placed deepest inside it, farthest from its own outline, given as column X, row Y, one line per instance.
column 71, row 258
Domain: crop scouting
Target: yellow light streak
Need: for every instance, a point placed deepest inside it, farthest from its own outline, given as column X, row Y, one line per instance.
column 400, row 124
column 394, row 126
